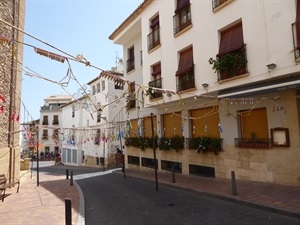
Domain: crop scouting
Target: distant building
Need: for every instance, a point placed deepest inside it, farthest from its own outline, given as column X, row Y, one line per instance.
column 93, row 126
column 50, row 122
column 11, row 53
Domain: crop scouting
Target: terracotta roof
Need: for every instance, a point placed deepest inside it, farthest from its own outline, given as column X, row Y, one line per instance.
column 129, row 19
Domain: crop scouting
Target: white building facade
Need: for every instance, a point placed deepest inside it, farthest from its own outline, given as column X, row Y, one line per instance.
column 50, row 122
column 93, row 125
column 221, row 80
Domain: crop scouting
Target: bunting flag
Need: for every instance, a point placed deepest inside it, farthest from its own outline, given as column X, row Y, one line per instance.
column 15, row 116
column 220, row 127
column 50, row 55
column 205, row 127
column 2, row 109
column 12, row 117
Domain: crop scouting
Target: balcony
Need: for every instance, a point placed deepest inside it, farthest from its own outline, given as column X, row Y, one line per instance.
column 55, row 123
column 186, row 80
column 182, row 19
column 45, row 137
column 153, row 39
column 131, row 102
column 217, row 3
column 129, row 65
column 231, row 64
column 256, row 143
column 157, row 84
column 296, row 40
column 45, row 122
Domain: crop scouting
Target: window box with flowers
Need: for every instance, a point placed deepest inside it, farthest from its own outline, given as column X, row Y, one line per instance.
column 175, row 143
column 140, row 142
column 230, row 64
column 206, row 144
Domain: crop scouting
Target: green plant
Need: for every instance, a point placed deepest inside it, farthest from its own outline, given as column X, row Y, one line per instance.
column 230, row 62
column 206, row 144
column 176, row 143
column 140, row 142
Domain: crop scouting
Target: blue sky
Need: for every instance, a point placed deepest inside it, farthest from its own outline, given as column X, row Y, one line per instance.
column 75, row 27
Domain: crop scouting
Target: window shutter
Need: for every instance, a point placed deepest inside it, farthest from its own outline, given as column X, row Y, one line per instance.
column 172, row 124
column 181, row 4
column 231, row 39
column 298, row 24
column 185, row 62
column 155, row 22
column 156, row 70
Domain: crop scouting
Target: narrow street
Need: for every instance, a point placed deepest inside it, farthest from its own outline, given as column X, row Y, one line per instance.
column 111, row 200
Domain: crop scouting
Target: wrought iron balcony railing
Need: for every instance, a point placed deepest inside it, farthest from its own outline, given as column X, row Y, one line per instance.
column 158, row 84
column 257, row 143
column 182, row 18
column 130, row 65
column 217, row 3
column 153, row 39
column 186, row 81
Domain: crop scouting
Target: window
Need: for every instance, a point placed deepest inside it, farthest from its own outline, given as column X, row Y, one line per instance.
column 130, row 60
column 205, row 122
column 185, row 74
column 252, row 135
column 131, row 96
column 99, row 116
column 45, row 120
column 103, row 85
column 73, row 112
column 182, row 18
column 55, row 120
column 45, row 134
column 172, row 125
column 133, row 129
column 232, row 53
column 217, row 3
column 148, row 126
column 93, row 90
column 154, row 36
column 296, row 31
column 98, row 88
column 156, row 81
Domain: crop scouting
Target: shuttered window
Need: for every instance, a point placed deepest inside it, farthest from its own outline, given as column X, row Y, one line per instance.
column 134, row 128
column 148, row 126
column 156, row 70
column 185, row 62
column 231, row 39
column 172, row 125
column 254, row 124
column 205, row 122
column 181, row 4
column 154, row 23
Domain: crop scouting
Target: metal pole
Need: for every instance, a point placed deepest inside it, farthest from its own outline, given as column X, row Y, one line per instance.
column 37, row 158
column 71, row 180
column 123, row 154
column 154, row 152
column 68, row 211
column 234, row 190
column 67, row 174
column 104, row 155
column 173, row 174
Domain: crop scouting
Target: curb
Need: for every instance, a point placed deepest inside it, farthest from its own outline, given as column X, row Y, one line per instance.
column 236, row 199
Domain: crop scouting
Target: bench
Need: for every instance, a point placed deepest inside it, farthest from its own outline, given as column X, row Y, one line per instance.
column 4, row 184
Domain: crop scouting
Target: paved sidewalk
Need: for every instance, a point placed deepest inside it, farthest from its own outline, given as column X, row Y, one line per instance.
column 43, row 204
column 267, row 196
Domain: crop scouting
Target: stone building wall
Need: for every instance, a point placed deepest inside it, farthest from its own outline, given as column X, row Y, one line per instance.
column 12, row 14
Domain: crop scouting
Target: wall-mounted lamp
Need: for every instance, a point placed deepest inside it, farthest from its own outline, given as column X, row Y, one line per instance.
column 205, row 85
column 271, row 66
